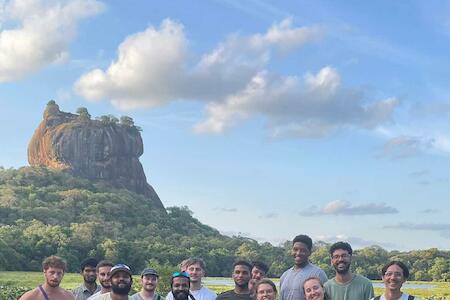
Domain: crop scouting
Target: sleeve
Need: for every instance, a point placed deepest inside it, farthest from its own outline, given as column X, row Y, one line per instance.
column 322, row 276
column 369, row 291
column 281, row 284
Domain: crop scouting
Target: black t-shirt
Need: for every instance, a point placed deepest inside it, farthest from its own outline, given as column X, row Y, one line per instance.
column 231, row 295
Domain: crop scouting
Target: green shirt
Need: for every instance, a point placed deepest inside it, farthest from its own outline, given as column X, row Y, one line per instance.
column 231, row 295
column 359, row 288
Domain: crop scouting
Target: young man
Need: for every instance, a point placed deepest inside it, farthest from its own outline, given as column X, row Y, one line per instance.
column 54, row 268
column 346, row 285
column 89, row 286
column 196, row 268
column 179, row 286
column 103, row 271
column 291, row 282
column 241, row 276
column 259, row 271
column 149, row 281
column 121, row 280
column 394, row 275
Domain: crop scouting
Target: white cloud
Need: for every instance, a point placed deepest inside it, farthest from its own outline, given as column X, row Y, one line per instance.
column 42, row 35
column 340, row 207
column 355, row 242
column 153, row 68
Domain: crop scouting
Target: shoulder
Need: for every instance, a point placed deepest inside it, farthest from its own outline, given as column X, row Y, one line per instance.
column 225, row 294
column 30, row 295
column 208, row 291
column 329, row 282
column 78, row 289
column 135, row 296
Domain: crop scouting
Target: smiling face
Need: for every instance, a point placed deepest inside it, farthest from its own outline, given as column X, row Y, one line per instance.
column 257, row 273
column 301, row 253
column 241, row 276
column 195, row 272
column 149, row 282
column 394, row 278
column 103, row 276
column 313, row 289
column 265, row 292
column 341, row 261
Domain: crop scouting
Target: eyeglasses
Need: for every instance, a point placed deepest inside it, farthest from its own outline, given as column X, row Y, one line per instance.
column 180, row 274
column 395, row 274
column 343, row 256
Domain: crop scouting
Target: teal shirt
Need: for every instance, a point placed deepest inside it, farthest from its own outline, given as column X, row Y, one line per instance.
column 359, row 288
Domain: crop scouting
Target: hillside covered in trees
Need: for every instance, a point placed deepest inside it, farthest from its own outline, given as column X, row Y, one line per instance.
column 45, row 212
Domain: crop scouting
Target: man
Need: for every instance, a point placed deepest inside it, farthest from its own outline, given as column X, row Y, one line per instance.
column 121, row 280
column 291, row 282
column 103, row 271
column 259, row 271
column 179, row 286
column 395, row 274
column 196, row 269
column 346, row 285
column 89, row 286
column 241, row 276
column 53, row 268
column 149, row 281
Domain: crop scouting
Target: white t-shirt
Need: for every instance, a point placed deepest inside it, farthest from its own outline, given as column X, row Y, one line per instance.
column 403, row 297
column 202, row 294
column 95, row 296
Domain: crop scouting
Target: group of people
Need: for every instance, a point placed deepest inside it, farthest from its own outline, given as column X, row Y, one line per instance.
column 303, row 281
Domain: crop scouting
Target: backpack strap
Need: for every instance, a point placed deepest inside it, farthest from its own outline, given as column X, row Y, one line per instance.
column 377, row 298
column 43, row 292
column 411, row 297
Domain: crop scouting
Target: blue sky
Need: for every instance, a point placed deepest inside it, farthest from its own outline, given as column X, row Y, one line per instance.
column 266, row 118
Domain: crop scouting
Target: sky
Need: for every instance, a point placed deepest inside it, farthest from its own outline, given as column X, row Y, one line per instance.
column 267, row 119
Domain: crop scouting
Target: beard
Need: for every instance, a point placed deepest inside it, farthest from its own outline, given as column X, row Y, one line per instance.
column 344, row 270
column 105, row 284
column 180, row 295
column 53, row 283
column 121, row 289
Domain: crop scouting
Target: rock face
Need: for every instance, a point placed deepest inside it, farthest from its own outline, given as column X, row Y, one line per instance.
column 97, row 150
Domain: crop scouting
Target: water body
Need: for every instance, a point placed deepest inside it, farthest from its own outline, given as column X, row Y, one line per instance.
column 229, row 282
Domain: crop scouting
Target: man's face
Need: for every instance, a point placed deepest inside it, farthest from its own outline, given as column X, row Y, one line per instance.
column 301, row 253
column 103, row 276
column 53, row 276
column 180, row 288
column 341, row 261
column 121, row 283
column 149, row 282
column 257, row 273
column 241, row 276
column 89, row 274
column 393, row 278
column 195, row 272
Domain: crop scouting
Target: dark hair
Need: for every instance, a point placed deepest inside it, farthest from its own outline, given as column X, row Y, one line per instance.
column 103, row 263
column 243, row 263
column 265, row 281
column 303, row 238
column 54, row 262
column 341, row 245
column 90, row 261
column 260, row 265
column 397, row 263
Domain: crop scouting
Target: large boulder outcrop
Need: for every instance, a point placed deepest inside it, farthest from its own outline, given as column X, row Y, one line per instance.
column 101, row 150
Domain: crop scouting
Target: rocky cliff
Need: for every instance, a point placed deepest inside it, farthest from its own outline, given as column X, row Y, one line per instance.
column 103, row 150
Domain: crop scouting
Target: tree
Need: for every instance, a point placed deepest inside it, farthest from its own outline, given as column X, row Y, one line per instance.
column 83, row 114
column 126, row 121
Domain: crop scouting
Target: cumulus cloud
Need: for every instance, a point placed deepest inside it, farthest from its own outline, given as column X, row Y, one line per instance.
column 340, row 207
column 154, row 67
column 35, row 33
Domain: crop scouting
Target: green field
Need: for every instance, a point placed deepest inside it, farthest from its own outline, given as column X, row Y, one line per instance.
column 16, row 282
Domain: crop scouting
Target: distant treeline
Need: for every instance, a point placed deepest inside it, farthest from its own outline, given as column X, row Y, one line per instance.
column 44, row 212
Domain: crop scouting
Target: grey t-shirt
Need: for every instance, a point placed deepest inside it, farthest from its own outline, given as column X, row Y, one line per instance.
column 291, row 282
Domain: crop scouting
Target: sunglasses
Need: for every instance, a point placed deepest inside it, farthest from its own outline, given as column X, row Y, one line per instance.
column 180, row 274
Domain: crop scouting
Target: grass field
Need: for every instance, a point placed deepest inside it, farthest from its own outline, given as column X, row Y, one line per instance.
column 441, row 290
